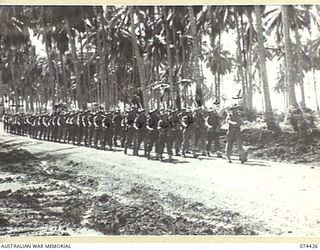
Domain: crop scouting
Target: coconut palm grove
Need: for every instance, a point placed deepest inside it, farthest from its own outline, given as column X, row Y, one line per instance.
column 159, row 120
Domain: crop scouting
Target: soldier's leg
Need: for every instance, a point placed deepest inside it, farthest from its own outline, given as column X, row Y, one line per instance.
column 110, row 137
column 209, row 142
column 230, row 142
column 169, row 143
column 162, row 141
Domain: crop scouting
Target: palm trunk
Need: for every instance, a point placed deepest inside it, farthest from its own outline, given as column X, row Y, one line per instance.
column 249, row 67
column 170, row 66
column 240, row 66
column 64, row 80
column 300, row 74
column 262, row 60
column 140, row 63
column 196, row 55
column 88, row 65
column 289, row 58
column 245, row 63
column 315, row 88
column 75, row 63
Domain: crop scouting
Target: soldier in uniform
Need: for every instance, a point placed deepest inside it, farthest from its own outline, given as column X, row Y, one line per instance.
column 90, row 128
column 107, row 131
column 175, row 131
column 55, row 127
column 130, row 131
column 163, row 128
column 116, row 120
column 62, row 127
column 85, row 127
column 187, row 122
column 141, row 132
column 152, row 132
column 198, row 131
column 97, row 122
column 79, row 127
column 213, row 125
column 234, row 122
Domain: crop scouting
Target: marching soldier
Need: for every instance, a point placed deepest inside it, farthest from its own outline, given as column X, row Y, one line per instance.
column 187, row 121
column 107, row 131
column 163, row 127
column 130, row 131
column 90, row 128
column 234, row 122
column 213, row 125
column 97, row 122
column 141, row 132
column 198, row 131
column 175, row 131
column 116, row 120
column 152, row 134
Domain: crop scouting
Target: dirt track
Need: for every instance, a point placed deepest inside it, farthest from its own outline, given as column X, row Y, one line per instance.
column 70, row 190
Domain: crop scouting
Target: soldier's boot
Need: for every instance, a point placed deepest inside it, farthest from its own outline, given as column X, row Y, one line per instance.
column 170, row 158
column 177, row 153
column 208, row 153
column 145, row 153
column 148, row 155
column 161, row 157
column 157, row 156
column 184, row 154
column 125, row 150
column 229, row 159
column 219, row 155
column 194, row 154
column 203, row 153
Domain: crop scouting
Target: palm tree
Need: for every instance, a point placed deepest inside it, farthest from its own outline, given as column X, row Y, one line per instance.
column 196, row 56
column 262, row 60
column 139, row 59
column 288, row 56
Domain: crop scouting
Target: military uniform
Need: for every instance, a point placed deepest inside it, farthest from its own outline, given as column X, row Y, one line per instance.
column 163, row 128
column 187, row 122
column 141, row 133
column 130, row 131
column 107, row 132
column 234, row 122
column 213, row 125
column 117, row 129
column 97, row 121
column 153, row 133
column 199, row 130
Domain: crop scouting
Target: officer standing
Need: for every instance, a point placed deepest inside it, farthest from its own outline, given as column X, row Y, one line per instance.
column 234, row 122
column 97, row 122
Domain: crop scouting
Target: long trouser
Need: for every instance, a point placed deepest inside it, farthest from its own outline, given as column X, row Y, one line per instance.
column 233, row 136
column 141, row 136
column 90, row 135
column 186, row 134
column 213, row 136
column 97, row 136
column 129, row 137
column 153, row 140
column 107, row 134
column 164, row 140
column 116, row 134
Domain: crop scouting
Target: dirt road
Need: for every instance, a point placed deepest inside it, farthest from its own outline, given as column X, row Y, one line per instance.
column 73, row 190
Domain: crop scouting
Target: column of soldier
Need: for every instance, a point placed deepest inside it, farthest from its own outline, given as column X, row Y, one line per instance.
column 174, row 130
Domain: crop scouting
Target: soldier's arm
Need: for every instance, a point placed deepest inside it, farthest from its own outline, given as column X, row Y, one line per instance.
column 95, row 122
column 83, row 119
column 104, row 122
column 135, row 125
column 207, row 122
column 160, row 124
